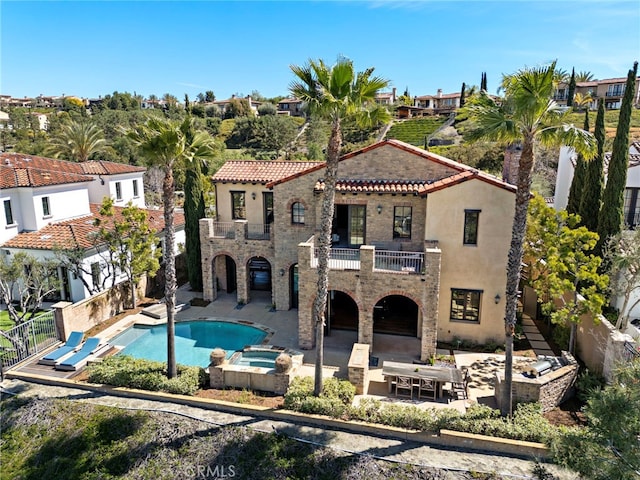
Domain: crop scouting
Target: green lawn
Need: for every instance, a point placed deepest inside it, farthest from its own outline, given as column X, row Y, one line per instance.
column 5, row 322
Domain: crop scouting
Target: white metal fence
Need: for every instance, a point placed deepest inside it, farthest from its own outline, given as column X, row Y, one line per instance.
column 27, row 339
column 411, row 262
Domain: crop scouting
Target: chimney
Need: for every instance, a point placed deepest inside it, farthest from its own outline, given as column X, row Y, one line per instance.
column 439, row 93
column 393, row 95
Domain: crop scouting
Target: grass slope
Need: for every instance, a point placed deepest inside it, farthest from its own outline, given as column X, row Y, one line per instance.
column 414, row 131
column 52, row 439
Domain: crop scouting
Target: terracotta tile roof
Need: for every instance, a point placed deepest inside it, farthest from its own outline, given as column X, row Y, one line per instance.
column 404, row 186
column 258, row 171
column 78, row 232
column 290, row 100
column 52, row 165
column 11, row 177
column 375, row 186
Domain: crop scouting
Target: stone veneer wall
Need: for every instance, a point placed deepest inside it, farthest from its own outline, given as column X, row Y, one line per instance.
column 358, row 367
column 367, row 287
column 550, row 389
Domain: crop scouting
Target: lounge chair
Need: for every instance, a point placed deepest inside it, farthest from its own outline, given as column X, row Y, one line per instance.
column 71, row 345
column 92, row 346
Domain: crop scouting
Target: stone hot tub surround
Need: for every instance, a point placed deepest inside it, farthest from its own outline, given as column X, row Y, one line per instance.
column 254, row 368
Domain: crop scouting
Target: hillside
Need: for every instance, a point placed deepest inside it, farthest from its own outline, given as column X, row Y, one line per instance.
column 415, row 130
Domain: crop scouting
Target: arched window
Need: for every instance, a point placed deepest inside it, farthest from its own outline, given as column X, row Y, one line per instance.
column 297, row 213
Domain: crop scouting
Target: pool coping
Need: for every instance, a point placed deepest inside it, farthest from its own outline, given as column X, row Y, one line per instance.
column 269, row 332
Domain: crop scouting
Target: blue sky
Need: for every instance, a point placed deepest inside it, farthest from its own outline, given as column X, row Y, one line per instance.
column 156, row 47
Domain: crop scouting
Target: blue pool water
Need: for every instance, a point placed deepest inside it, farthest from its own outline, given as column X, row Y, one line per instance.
column 258, row 358
column 194, row 340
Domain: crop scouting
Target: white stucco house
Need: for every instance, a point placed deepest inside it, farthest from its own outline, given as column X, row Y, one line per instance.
column 48, row 204
column 566, row 167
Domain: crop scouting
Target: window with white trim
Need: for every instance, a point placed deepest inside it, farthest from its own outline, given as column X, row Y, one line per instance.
column 46, row 208
column 8, row 213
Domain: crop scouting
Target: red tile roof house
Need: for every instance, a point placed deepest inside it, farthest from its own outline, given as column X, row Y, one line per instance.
column 420, row 243
column 49, row 204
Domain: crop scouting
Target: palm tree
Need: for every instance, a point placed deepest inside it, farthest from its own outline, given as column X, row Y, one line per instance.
column 584, row 76
column 77, row 140
column 527, row 115
column 582, row 100
column 334, row 93
column 165, row 143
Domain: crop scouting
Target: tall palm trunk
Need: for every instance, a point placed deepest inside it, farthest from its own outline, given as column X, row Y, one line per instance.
column 516, row 251
column 324, row 247
column 168, row 190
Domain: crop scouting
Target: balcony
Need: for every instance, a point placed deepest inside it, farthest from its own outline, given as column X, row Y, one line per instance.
column 383, row 260
column 240, row 229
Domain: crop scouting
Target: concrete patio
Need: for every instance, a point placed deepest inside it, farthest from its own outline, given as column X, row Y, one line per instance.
column 337, row 350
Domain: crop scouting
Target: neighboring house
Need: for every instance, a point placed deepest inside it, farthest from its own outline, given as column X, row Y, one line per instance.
column 439, row 103
column 49, row 204
column 290, row 106
column 611, row 89
column 420, row 244
column 566, row 167
column 386, row 98
column 222, row 104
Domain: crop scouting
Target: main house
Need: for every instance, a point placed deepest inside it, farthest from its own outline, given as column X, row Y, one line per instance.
column 419, row 248
column 50, row 204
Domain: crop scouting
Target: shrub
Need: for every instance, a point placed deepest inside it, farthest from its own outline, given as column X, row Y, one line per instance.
column 528, row 423
column 341, row 390
column 336, row 396
column 125, row 371
column 587, row 383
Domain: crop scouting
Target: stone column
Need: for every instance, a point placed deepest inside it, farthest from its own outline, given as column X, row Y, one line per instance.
column 432, row 257
column 306, row 293
column 208, row 285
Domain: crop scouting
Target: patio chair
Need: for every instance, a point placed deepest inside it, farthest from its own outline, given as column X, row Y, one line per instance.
column 460, row 390
column 71, row 345
column 429, row 387
column 404, row 386
column 79, row 359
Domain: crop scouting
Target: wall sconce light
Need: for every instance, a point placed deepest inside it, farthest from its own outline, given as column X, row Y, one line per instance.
column 497, row 298
column 282, row 272
column 379, row 208
column 253, row 195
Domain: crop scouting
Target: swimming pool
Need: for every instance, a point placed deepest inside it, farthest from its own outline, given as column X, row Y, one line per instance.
column 194, row 340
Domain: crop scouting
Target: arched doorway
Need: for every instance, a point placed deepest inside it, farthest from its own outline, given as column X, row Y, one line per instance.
column 224, row 274
column 397, row 315
column 342, row 311
column 259, row 274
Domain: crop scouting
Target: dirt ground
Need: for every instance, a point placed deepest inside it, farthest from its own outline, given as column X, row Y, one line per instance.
column 242, row 397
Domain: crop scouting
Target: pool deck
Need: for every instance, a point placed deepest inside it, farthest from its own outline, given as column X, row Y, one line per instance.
column 337, row 348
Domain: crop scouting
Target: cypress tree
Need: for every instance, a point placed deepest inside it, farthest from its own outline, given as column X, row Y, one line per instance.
column 594, row 182
column 462, row 95
column 611, row 214
column 483, row 81
column 194, row 210
column 579, row 178
column 572, row 88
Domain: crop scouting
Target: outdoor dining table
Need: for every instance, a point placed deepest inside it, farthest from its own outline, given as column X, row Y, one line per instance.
column 441, row 375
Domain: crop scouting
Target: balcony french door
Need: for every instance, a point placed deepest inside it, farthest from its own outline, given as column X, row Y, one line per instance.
column 357, row 222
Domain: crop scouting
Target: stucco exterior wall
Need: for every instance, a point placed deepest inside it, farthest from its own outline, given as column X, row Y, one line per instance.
column 474, row 267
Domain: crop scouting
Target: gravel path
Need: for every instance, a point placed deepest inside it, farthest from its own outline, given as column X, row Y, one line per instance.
column 453, row 461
